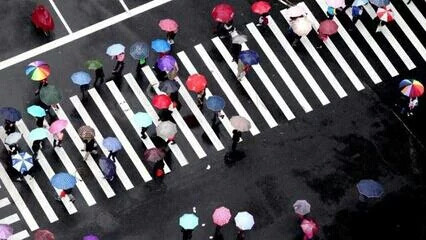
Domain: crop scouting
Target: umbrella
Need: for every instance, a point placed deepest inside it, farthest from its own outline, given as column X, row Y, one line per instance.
column 385, row 14
column 142, row 119
column 81, row 78
column 166, row 129
column 139, row 50
column 370, row 188
column 302, row 207
column 188, row 221
column 160, row 45
column 380, row 3
column 161, row 101
column 309, row 227
column 328, row 27
column 36, row 111
column 90, row 237
column 240, row 123
column 336, row 3
column 115, row 49
column 5, row 231
column 223, row 13
column 169, row 86
column 10, row 113
column 63, row 180
column 260, row 7
column 221, row 216
column 166, row 63
column 215, row 103
column 86, row 132
column 358, row 3
column 244, row 221
column 37, row 70
column 296, row 11
column 107, row 167
column 50, row 95
column 301, row 26
column 13, row 138
column 38, row 134
column 112, row 144
column 43, row 235
column 196, row 82
column 239, row 39
column 249, row 57
column 168, row 25
column 411, row 88
column 154, row 155
column 57, row 126
column 93, row 64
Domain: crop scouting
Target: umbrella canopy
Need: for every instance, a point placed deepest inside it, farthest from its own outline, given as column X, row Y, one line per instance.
column 411, row 88
column 240, row 123
column 142, row 119
column 38, row 134
column 37, row 70
column 115, row 49
column 50, row 95
column 385, row 14
column 296, row 11
column 81, row 78
column 166, row 63
column 86, row 132
column 336, row 3
column 10, row 113
column 239, row 39
column 13, row 138
column 223, row 13
column 260, row 7
column 301, row 26
column 36, row 111
column 57, row 126
column 139, row 50
column 166, row 129
column 90, row 237
column 309, row 227
column 154, row 155
column 249, row 57
column 107, row 167
column 161, row 101
column 5, row 231
column 215, row 103
column 370, row 188
column 221, row 216
column 358, row 3
column 112, row 144
column 196, row 83
column 168, row 25
column 22, row 162
column 328, row 27
column 63, row 180
column 244, row 221
column 380, row 3
column 169, row 86
column 93, row 64
column 160, row 45
column 188, row 221
column 302, row 207
column 42, row 234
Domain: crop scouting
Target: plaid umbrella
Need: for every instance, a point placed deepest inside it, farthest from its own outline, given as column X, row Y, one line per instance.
column 86, row 132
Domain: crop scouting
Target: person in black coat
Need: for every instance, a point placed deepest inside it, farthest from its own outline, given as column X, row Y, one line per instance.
column 236, row 135
column 37, row 145
column 99, row 76
column 186, row 234
column 9, row 126
column 39, row 121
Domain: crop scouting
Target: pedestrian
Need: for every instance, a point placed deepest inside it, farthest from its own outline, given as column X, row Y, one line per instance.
column 66, row 192
column 186, row 234
column 165, row 115
column 242, row 70
column 295, row 38
column 217, row 234
column 57, row 139
column 83, row 89
column 173, row 73
column 41, row 84
column 171, row 140
column 236, row 135
column 113, row 156
column 414, row 102
column 216, row 115
column 140, row 65
column 90, row 147
column 174, row 96
column 40, row 121
column 380, row 26
column 171, row 36
column 158, row 170
column 229, row 27
column 37, row 145
column 12, row 149
column 263, row 20
column 99, row 76
column 200, row 99
column 9, row 126
column 143, row 132
column 240, row 235
column 331, row 12
column 117, row 72
column 356, row 13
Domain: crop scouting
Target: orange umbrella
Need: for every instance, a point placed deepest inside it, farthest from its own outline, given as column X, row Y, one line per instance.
column 196, row 83
column 260, row 7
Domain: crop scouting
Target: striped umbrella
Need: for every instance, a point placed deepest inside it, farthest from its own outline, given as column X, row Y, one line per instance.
column 22, row 162
column 385, row 14
column 411, row 88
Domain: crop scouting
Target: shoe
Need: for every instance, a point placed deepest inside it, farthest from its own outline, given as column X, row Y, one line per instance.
column 19, row 179
column 318, row 47
column 259, row 24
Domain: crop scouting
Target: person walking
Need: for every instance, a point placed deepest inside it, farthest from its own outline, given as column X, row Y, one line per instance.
column 218, row 234
column 263, row 20
column 40, row 121
column 64, row 193
column 414, row 102
column 236, row 135
column 99, row 77
column 158, row 170
column 186, row 234
column 113, row 155
column 41, row 84
column 90, row 148
column 171, row 36
column 242, row 70
column 200, row 99
column 37, row 145
column 143, row 132
column 9, row 126
column 240, row 235
column 83, row 89
column 117, row 72
column 57, row 139
column 356, row 13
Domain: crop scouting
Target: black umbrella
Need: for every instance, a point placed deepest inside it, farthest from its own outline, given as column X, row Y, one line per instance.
column 10, row 113
column 169, row 86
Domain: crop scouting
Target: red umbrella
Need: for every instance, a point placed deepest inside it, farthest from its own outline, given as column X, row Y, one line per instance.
column 223, row 13
column 168, row 25
column 43, row 235
column 196, row 83
column 41, row 18
column 260, row 7
column 161, row 101
column 385, row 14
column 327, row 27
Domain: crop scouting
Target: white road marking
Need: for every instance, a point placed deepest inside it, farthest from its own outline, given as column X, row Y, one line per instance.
column 81, row 33
column 99, row 139
column 60, row 16
column 417, row 14
column 392, row 40
column 19, row 235
column 225, row 87
column 124, row 5
column 129, row 114
column 149, row 109
column 10, row 219
column 176, row 116
column 4, row 202
column 89, row 161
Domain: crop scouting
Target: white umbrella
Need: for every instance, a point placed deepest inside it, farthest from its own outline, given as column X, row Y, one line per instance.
column 296, row 11
column 166, row 129
column 240, row 123
column 302, row 207
column 301, row 26
column 13, row 138
column 244, row 221
column 239, row 39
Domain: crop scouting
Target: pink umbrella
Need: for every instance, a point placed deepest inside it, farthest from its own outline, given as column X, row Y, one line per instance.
column 309, row 227
column 221, row 216
column 336, row 3
column 57, row 126
column 168, row 25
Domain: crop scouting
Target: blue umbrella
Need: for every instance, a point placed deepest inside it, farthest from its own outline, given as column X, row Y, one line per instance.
column 380, row 3
column 405, row 83
column 249, row 57
column 166, row 63
column 108, row 167
column 188, row 221
column 36, row 111
column 215, row 103
column 160, row 45
column 115, row 49
column 139, row 50
column 370, row 188
column 22, row 162
column 112, row 144
column 63, row 180
column 10, row 113
column 142, row 119
column 81, row 78
column 358, row 3
column 38, row 134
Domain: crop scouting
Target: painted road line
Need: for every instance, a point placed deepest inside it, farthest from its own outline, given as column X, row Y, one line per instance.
column 60, row 16
column 374, row 46
column 225, row 87
column 99, row 176
column 124, row 5
column 46, row 167
column 246, row 84
column 19, row 235
column 99, row 139
column 81, row 33
column 191, row 70
column 143, row 100
column 4, row 202
column 129, row 114
column 10, row 219
column 417, row 14
column 348, row 40
column 176, row 116
column 392, row 40
column 137, row 162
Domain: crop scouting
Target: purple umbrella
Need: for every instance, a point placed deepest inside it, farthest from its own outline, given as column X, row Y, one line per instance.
column 108, row 167
column 5, row 231
column 90, row 237
column 166, row 63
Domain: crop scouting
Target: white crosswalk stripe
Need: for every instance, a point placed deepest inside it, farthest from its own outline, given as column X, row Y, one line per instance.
column 19, row 235
column 4, row 202
column 10, row 219
column 417, row 14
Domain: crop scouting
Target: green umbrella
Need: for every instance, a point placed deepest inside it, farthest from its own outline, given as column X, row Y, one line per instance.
column 50, row 95
column 93, row 64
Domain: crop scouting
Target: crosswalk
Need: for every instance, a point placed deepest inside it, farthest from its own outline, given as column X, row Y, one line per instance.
column 305, row 91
